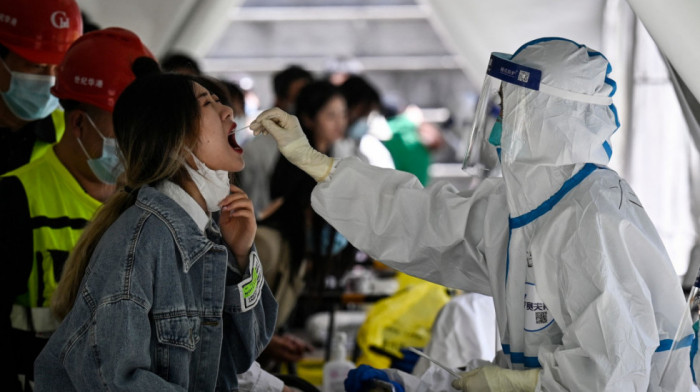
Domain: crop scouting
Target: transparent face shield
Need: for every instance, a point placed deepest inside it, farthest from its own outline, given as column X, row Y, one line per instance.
column 482, row 157
column 510, row 82
column 484, row 142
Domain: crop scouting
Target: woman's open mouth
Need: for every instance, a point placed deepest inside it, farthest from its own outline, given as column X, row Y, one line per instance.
column 232, row 140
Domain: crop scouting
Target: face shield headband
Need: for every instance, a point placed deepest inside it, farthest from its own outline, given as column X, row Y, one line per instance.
column 486, row 129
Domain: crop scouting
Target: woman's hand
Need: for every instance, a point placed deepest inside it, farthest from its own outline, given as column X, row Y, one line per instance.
column 238, row 225
column 287, row 348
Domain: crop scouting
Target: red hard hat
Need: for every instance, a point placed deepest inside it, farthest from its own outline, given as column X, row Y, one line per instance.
column 97, row 67
column 40, row 30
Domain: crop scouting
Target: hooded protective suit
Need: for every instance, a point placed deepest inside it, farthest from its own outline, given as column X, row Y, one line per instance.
column 581, row 282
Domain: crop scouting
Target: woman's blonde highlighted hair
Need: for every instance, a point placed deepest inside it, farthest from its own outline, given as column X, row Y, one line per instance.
column 156, row 121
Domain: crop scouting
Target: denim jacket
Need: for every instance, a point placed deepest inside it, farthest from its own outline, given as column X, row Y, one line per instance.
column 162, row 306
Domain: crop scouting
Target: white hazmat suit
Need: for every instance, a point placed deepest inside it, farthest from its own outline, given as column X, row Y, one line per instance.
column 582, row 285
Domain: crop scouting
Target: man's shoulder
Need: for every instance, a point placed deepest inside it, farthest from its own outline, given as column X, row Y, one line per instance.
column 28, row 168
column 37, row 171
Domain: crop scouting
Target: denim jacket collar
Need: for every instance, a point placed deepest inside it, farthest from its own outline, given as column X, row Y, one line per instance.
column 191, row 242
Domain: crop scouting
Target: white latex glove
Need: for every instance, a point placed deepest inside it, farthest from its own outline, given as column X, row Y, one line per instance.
column 496, row 379
column 292, row 142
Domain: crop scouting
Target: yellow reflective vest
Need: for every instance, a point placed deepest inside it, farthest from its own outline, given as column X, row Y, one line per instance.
column 59, row 209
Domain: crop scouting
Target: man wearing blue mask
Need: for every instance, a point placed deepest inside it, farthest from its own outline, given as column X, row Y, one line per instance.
column 366, row 126
column 45, row 204
column 34, row 36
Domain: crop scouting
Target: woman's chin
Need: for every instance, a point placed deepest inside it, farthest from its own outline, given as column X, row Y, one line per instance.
column 236, row 163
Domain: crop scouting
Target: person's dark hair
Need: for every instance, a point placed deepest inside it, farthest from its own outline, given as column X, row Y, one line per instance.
column 357, row 91
column 4, row 51
column 173, row 62
column 283, row 79
column 311, row 99
column 156, row 119
column 235, row 92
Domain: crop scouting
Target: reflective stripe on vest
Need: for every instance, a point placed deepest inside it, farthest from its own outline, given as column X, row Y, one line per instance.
column 41, row 321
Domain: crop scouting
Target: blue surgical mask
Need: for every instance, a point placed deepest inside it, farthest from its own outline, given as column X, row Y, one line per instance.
column 495, row 136
column 358, row 129
column 29, row 96
column 107, row 167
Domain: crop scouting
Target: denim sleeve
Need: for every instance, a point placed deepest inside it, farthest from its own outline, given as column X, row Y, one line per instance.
column 250, row 313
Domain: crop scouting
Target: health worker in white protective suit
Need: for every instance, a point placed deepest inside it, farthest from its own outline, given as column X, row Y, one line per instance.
column 586, row 297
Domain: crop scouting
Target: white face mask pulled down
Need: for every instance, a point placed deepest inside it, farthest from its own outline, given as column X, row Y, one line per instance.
column 212, row 184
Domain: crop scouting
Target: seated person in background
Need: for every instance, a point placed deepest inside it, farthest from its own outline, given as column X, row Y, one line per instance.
column 367, row 127
column 180, row 63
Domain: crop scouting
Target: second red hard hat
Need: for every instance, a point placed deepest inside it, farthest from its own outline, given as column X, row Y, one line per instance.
column 97, row 67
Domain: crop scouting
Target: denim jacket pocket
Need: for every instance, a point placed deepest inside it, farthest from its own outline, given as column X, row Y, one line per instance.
column 181, row 331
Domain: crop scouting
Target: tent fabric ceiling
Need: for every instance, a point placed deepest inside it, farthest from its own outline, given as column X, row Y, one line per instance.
column 474, row 29
column 392, row 43
column 254, row 42
column 155, row 21
column 674, row 27
column 470, row 29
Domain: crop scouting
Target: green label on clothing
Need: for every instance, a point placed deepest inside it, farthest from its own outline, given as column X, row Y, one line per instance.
column 249, row 289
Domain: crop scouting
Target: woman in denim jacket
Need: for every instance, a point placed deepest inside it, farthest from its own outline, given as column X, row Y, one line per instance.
column 157, row 295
